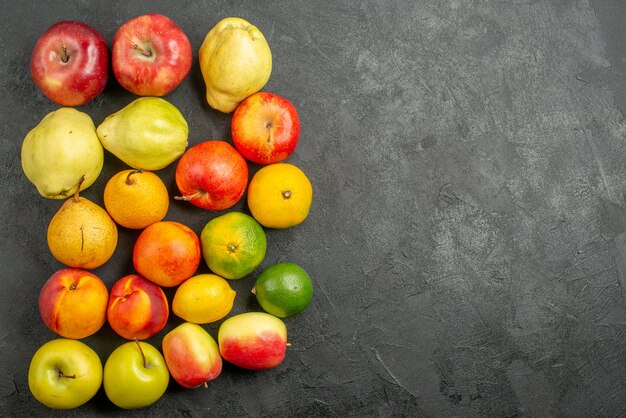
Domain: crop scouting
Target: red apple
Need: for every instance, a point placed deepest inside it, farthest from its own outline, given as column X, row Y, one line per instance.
column 265, row 128
column 167, row 253
column 73, row 303
column 253, row 340
column 212, row 175
column 192, row 355
column 70, row 63
column 151, row 55
column 137, row 308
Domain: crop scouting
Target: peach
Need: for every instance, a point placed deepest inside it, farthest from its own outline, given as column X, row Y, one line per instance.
column 138, row 308
column 253, row 340
column 167, row 253
column 73, row 303
column 192, row 355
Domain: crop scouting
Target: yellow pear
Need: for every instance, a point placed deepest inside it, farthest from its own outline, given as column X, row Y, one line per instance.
column 235, row 61
column 59, row 150
column 82, row 234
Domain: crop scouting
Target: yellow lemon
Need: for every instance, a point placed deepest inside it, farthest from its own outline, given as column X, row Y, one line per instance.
column 235, row 61
column 203, row 298
column 136, row 198
column 280, row 195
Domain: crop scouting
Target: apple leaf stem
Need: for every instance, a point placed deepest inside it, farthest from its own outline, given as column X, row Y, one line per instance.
column 80, row 182
column 143, row 50
column 143, row 356
column 130, row 181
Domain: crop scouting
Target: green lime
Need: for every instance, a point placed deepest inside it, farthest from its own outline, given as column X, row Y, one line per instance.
column 283, row 289
column 233, row 245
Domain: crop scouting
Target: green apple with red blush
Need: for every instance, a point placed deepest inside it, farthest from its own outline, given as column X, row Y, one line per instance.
column 253, row 340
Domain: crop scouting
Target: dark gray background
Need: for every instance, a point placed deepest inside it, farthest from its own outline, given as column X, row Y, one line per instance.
column 468, row 231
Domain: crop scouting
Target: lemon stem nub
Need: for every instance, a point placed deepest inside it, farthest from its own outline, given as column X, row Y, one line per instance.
column 286, row 194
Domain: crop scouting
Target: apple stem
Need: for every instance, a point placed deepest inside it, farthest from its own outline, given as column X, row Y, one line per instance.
column 80, row 182
column 288, row 344
column 253, row 290
column 143, row 356
column 191, row 196
column 206, row 386
column 65, row 57
column 143, row 50
column 129, row 181
column 67, row 377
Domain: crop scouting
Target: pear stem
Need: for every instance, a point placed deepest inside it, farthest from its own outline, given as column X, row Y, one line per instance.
column 80, row 182
column 143, row 356
column 129, row 181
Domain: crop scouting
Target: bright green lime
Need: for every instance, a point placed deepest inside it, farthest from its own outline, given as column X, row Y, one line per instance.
column 283, row 289
column 233, row 245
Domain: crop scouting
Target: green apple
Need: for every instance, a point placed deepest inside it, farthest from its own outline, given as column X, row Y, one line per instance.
column 135, row 375
column 64, row 374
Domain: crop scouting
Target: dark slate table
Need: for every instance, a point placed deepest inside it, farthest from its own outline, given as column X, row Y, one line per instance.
column 467, row 237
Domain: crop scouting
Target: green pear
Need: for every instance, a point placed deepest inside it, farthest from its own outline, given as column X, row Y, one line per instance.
column 60, row 150
column 149, row 133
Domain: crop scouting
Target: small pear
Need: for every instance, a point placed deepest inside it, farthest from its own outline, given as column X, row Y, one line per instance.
column 82, row 234
column 62, row 148
column 149, row 133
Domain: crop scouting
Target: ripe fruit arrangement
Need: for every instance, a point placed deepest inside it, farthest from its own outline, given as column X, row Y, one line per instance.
column 63, row 155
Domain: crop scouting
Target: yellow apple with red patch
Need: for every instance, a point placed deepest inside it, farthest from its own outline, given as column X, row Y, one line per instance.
column 253, row 340
column 73, row 303
column 192, row 355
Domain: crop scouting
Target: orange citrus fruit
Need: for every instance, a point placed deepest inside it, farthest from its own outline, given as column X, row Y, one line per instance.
column 203, row 298
column 136, row 198
column 280, row 195
column 233, row 245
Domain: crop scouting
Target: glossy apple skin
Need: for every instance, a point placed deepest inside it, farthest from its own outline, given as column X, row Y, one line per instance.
column 74, row 78
column 192, row 355
column 138, row 308
column 167, row 253
column 64, row 374
column 73, row 303
column 164, row 62
column 253, row 340
column 130, row 384
column 265, row 128
column 212, row 175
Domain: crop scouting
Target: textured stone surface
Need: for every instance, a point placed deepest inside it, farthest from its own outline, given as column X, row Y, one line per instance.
column 468, row 231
